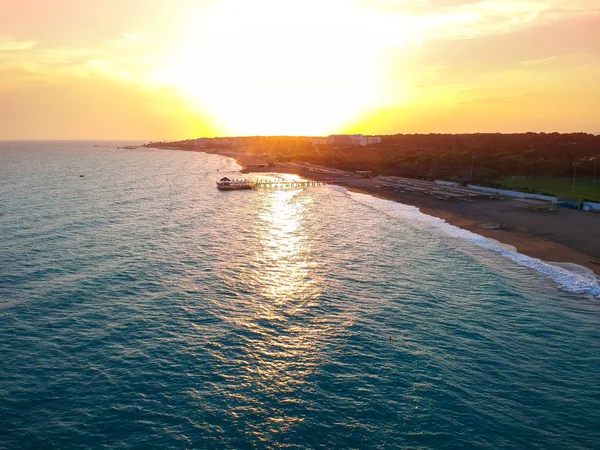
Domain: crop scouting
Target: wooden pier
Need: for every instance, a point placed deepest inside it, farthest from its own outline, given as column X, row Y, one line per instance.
column 287, row 184
column 225, row 184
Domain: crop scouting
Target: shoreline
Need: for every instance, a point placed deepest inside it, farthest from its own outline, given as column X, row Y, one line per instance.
column 561, row 236
column 525, row 243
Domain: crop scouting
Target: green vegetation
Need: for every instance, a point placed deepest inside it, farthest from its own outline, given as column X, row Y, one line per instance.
column 585, row 189
column 544, row 159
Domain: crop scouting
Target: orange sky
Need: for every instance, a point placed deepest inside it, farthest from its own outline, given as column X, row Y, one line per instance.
column 152, row 69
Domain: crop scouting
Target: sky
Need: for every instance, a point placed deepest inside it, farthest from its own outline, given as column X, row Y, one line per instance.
column 168, row 70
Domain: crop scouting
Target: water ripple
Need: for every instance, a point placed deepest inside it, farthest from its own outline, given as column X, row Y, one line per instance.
column 140, row 307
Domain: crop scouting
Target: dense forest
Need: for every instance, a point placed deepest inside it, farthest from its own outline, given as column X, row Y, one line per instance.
column 483, row 156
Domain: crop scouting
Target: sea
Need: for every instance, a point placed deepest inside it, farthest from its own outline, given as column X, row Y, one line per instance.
column 140, row 307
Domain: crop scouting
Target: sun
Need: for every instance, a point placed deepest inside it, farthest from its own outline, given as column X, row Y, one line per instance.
column 270, row 67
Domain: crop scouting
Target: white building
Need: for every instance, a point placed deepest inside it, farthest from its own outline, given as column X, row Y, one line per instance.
column 207, row 142
column 348, row 140
column 371, row 140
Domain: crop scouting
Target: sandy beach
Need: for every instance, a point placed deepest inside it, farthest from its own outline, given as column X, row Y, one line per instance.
column 564, row 235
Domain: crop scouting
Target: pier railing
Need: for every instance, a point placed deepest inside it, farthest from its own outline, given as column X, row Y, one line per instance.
column 283, row 184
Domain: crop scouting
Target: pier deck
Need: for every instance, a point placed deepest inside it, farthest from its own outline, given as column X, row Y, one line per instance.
column 283, row 184
column 225, row 184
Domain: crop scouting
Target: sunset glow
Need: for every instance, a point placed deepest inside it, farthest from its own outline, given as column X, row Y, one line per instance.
column 271, row 68
column 138, row 69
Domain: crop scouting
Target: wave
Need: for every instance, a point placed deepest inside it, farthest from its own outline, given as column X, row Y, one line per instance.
column 570, row 277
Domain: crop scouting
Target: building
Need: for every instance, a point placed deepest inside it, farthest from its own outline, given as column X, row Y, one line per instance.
column 340, row 140
column 348, row 140
column 371, row 140
column 219, row 142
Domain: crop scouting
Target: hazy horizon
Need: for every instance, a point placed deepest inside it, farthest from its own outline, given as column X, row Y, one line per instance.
column 273, row 135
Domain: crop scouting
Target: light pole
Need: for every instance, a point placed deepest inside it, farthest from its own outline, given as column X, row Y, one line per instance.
column 575, row 164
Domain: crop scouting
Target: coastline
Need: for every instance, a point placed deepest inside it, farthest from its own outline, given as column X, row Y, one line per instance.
column 561, row 236
column 525, row 242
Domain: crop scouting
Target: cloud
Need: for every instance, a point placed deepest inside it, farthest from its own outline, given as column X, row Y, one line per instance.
column 540, row 61
column 27, row 61
column 518, row 99
column 579, row 59
column 8, row 43
column 429, row 20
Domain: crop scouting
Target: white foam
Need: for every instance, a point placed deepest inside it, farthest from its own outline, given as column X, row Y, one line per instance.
column 502, row 245
column 569, row 277
column 575, row 268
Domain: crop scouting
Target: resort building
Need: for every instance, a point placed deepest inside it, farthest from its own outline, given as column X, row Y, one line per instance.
column 348, row 140
column 220, row 142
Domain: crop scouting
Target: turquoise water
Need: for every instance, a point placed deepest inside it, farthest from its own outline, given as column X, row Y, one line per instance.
column 140, row 307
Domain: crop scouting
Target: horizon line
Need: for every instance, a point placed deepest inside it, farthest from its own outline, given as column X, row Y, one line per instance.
column 287, row 135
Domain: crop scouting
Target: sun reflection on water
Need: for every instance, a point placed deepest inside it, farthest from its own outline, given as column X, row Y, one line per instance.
column 276, row 308
column 273, row 304
column 285, row 330
column 285, row 250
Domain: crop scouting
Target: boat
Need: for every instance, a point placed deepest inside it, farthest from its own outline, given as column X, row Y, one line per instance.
column 225, row 184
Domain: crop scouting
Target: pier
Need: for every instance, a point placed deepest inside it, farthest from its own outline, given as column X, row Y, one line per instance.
column 286, row 184
column 226, row 184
